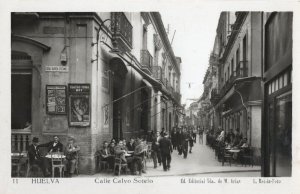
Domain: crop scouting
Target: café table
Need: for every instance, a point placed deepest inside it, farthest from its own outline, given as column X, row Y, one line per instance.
column 16, row 158
column 55, row 156
column 234, row 150
column 128, row 154
column 56, row 162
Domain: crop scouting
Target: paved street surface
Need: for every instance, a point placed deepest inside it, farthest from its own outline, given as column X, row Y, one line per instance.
column 201, row 162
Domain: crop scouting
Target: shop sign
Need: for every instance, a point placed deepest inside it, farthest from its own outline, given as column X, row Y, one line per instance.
column 57, row 68
column 79, row 105
column 56, row 99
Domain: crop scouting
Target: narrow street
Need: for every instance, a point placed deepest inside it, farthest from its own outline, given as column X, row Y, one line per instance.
column 201, row 162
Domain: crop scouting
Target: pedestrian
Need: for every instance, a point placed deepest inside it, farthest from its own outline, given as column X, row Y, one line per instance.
column 194, row 135
column 184, row 142
column 155, row 152
column 191, row 141
column 165, row 146
column 158, row 138
column 201, row 136
column 174, row 138
column 179, row 137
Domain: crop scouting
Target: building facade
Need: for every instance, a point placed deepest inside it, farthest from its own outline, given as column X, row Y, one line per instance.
column 254, row 88
column 92, row 76
column 237, row 96
column 277, row 88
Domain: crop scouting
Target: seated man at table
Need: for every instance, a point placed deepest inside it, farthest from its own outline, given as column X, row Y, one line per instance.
column 105, row 155
column 52, row 146
column 34, row 156
column 243, row 143
column 71, row 152
column 120, row 150
column 130, row 145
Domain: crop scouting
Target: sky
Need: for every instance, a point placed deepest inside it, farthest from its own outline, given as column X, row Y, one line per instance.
column 193, row 42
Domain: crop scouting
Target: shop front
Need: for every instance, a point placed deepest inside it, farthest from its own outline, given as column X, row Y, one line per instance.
column 277, row 108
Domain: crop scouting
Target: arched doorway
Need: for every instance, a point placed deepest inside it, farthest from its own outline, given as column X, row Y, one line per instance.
column 119, row 116
column 145, row 98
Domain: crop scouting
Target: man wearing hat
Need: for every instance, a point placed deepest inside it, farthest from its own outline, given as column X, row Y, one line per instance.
column 34, row 156
column 71, row 153
column 166, row 150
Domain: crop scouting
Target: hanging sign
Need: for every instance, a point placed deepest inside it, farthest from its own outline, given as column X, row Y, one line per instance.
column 79, row 105
column 56, row 99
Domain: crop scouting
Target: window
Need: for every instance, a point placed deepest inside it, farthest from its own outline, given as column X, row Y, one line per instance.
column 237, row 56
column 232, row 66
column 145, row 37
column 21, row 84
column 245, row 48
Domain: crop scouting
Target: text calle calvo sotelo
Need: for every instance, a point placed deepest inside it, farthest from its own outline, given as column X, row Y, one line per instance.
column 123, row 180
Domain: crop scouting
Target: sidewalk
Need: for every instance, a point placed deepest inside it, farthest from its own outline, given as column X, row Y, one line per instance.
column 201, row 162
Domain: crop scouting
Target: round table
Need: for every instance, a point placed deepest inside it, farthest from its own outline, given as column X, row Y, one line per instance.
column 128, row 155
column 56, row 156
column 234, row 151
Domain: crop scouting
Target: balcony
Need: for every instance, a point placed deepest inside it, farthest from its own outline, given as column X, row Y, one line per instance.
column 121, row 31
column 214, row 96
column 241, row 71
column 177, row 97
column 20, row 140
column 157, row 73
column 171, row 90
column 146, row 61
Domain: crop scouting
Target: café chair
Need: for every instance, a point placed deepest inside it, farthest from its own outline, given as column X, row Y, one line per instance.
column 227, row 156
column 247, row 156
column 16, row 162
column 149, row 150
column 28, row 166
column 121, row 165
column 57, row 162
column 76, row 163
column 103, row 165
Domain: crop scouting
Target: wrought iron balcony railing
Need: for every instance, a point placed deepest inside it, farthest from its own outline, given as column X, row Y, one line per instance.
column 121, row 31
column 241, row 71
column 177, row 97
column 157, row 73
column 146, row 61
column 214, row 96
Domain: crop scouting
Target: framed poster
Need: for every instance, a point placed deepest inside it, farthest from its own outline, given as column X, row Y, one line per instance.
column 56, row 96
column 79, row 105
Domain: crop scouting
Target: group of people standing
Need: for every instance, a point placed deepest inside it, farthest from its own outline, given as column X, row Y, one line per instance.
column 183, row 140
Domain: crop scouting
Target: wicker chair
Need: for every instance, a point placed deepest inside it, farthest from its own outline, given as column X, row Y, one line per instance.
column 121, row 165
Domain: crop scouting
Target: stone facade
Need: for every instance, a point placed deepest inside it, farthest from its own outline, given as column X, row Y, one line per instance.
column 125, row 59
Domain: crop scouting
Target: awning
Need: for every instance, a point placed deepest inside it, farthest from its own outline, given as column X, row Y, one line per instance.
column 147, row 83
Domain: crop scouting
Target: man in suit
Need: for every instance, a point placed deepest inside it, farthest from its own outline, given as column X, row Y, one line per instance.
column 130, row 145
column 71, row 153
column 105, row 155
column 184, row 143
column 53, row 146
column 34, row 156
column 166, row 150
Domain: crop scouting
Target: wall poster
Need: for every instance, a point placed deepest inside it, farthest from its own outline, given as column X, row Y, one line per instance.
column 79, row 105
column 56, row 99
